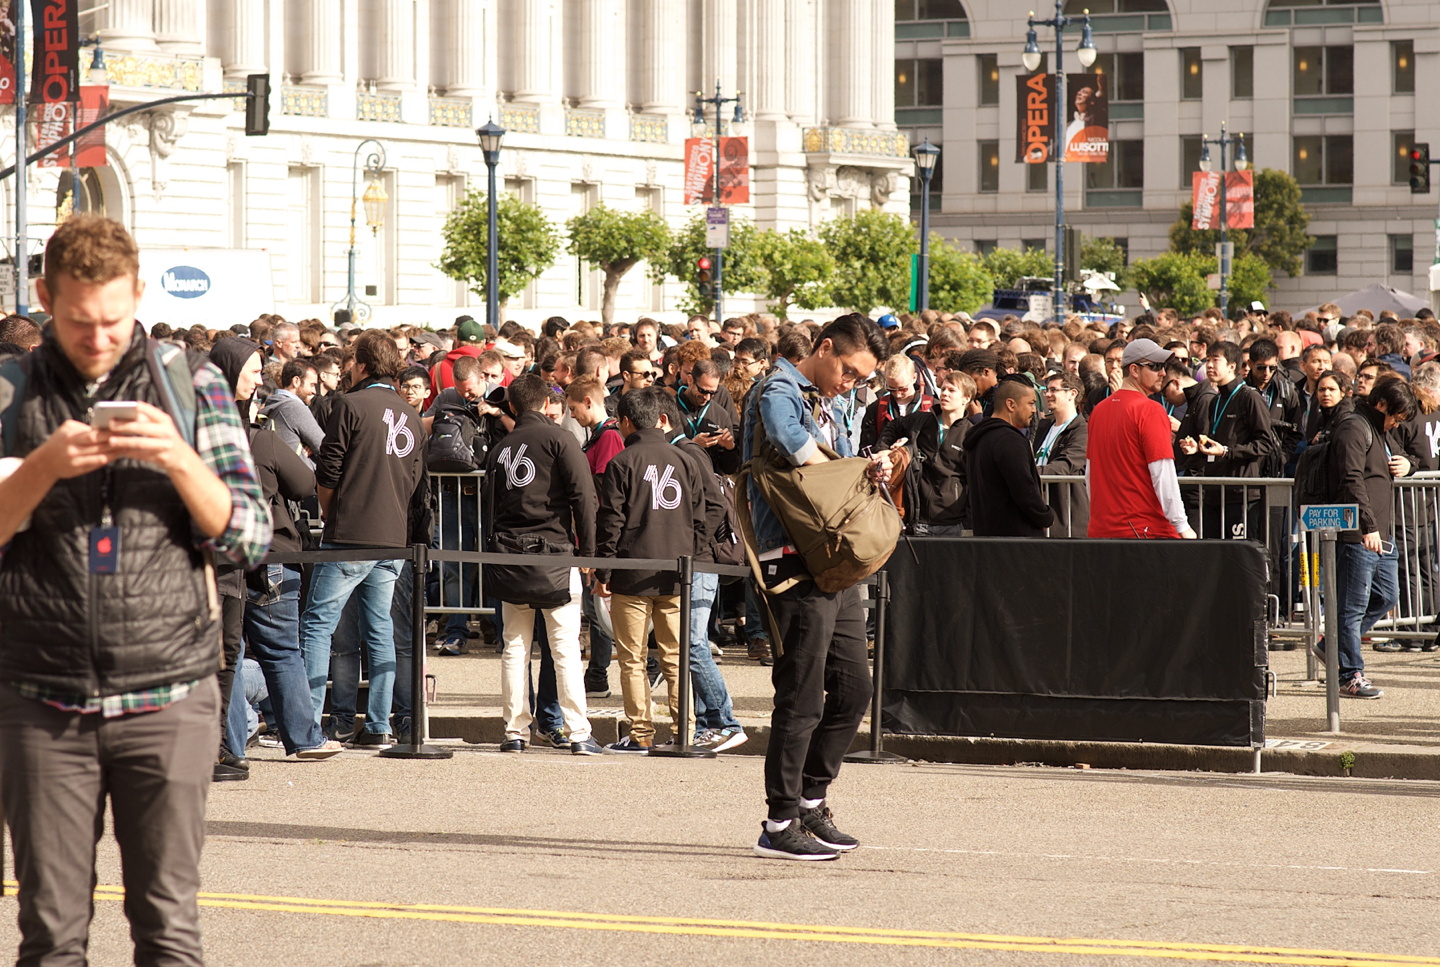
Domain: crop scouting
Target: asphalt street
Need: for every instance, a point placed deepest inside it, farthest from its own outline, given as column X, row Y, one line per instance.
column 545, row 858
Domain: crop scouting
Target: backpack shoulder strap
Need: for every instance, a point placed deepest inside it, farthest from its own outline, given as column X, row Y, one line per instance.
column 173, row 371
column 14, row 373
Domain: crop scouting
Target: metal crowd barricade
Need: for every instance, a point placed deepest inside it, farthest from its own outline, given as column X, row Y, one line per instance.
column 1417, row 512
column 459, row 522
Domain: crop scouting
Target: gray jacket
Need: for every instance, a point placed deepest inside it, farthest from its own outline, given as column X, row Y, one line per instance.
column 295, row 423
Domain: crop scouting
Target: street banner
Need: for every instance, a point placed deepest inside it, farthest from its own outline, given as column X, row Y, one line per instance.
column 7, row 51
column 59, row 120
column 1087, row 129
column 1035, row 110
column 56, row 72
column 1239, row 199
column 734, row 170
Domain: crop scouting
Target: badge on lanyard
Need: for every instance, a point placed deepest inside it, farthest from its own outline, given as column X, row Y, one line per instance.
column 104, row 549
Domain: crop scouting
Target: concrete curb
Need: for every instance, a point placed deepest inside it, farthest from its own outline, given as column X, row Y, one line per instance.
column 1367, row 760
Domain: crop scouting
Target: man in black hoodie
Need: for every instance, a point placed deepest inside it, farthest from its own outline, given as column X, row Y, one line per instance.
column 1002, row 484
column 650, row 506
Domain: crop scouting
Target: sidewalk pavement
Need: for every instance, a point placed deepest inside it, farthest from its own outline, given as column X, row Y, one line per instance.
column 1397, row 736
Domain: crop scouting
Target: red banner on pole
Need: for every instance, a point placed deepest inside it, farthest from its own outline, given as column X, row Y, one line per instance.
column 1239, row 199
column 7, row 51
column 1035, row 107
column 54, row 121
column 55, row 76
column 734, row 170
column 1087, row 132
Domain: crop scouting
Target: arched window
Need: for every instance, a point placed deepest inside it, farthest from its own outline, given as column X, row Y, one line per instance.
column 921, row 19
column 1306, row 13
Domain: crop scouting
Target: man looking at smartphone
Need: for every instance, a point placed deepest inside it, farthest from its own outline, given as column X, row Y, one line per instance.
column 708, row 420
column 111, row 646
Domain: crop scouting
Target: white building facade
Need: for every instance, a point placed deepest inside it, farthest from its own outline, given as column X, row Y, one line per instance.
column 596, row 97
column 1330, row 90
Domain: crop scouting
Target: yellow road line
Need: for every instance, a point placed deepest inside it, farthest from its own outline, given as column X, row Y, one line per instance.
column 827, row 933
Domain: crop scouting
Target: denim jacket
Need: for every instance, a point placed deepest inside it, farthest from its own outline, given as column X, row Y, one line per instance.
column 779, row 400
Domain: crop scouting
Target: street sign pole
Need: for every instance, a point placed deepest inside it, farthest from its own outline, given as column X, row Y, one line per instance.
column 1332, row 631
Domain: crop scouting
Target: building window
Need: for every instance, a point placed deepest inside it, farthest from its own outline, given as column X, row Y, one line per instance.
column 235, row 203
column 1322, row 71
column 919, row 83
column 302, row 230
column 1402, row 254
column 1124, row 169
column 1323, row 258
column 1116, row 6
column 929, row 10
column 1302, row 13
column 984, row 246
column 1192, row 74
column 1402, row 58
column 1033, row 245
column 1124, row 74
column 1190, row 148
column 1242, row 72
column 1037, row 177
column 1401, row 143
column 989, row 79
column 1325, row 159
column 989, row 166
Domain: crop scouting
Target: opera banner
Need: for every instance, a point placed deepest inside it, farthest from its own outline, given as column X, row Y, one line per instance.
column 1035, row 107
column 55, row 77
column 1087, row 131
column 734, row 171
column 1239, row 199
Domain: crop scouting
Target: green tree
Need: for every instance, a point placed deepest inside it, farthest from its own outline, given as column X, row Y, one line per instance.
column 1250, row 280
column 1279, row 236
column 1103, row 255
column 872, row 252
column 959, row 281
column 1005, row 265
column 614, row 242
column 790, row 268
column 1175, row 280
column 528, row 244
column 687, row 246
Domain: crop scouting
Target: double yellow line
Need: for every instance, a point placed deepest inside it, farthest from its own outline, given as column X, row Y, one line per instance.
column 812, row 933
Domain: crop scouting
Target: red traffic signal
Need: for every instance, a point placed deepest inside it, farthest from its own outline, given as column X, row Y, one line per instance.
column 702, row 263
column 1420, row 169
column 704, row 278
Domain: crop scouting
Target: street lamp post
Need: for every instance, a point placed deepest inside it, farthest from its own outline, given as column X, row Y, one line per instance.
column 490, row 135
column 374, row 200
column 1031, row 58
column 699, row 121
column 1240, row 164
column 925, row 157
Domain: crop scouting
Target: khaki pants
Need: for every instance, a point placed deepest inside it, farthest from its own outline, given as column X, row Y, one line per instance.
column 629, row 614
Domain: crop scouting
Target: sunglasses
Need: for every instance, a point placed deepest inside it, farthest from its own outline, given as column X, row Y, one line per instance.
column 703, row 392
column 1153, row 367
column 643, row 373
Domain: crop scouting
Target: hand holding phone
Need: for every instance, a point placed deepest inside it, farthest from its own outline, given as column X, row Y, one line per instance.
column 104, row 413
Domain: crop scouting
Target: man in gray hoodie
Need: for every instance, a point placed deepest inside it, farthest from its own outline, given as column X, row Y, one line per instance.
column 288, row 409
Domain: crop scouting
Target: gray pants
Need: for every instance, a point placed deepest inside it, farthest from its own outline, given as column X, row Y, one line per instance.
column 56, row 769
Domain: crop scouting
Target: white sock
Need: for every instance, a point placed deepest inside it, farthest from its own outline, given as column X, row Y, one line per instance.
column 775, row 825
column 812, row 803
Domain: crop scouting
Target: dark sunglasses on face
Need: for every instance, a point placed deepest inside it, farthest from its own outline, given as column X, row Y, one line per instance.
column 703, row 392
column 1153, row 367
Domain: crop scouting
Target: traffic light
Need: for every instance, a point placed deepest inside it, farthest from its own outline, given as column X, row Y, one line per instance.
column 707, row 286
column 257, row 104
column 1420, row 169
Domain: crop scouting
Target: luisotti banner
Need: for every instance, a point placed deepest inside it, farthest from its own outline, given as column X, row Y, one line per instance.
column 1239, row 199
column 734, row 171
column 1087, row 129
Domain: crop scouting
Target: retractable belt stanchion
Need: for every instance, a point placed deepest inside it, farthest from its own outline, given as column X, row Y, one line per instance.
column 419, row 718
column 876, row 752
column 1332, row 631
column 680, row 745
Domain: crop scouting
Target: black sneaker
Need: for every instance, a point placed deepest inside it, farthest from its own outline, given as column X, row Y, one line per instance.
column 794, row 842
column 373, row 740
column 597, row 686
column 1359, row 687
column 818, row 821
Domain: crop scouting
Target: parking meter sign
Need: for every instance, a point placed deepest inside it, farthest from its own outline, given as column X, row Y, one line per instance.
column 1337, row 517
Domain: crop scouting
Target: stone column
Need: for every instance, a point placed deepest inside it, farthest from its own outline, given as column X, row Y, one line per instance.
column 881, row 64
column 321, row 43
column 602, row 53
column 395, row 46
column 180, row 26
column 533, row 37
column 766, row 102
column 802, row 77
column 129, row 25
column 244, row 32
column 473, row 49
column 720, row 39
column 849, row 95
column 662, row 72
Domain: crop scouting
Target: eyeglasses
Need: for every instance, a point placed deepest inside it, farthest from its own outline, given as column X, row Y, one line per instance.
column 703, row 392
column 643, row 373
column 1263, row 369
column 849, row 374
column 1153, row 367
column 1324, row 319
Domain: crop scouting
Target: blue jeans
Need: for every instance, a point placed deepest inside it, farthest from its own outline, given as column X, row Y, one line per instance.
column 755, row 629
column 1368, row 586
column 544, row 693
column 235, row 730
column 461, row 582
column 602, row 645
column 272, row 638
column 712, row 698
column 373, row 584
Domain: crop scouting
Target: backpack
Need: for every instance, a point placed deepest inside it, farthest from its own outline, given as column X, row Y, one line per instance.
column 455, row 444
column 172, row 370
column 838, row 519
column 1312, row 471
column 727, row 544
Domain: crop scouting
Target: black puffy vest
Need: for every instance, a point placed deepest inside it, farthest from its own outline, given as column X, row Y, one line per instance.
column 155, row 621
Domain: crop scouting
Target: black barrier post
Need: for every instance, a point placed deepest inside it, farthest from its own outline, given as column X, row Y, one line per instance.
column 419, row 724
column 1332, row 630
column 679, row 747
column 876, row 752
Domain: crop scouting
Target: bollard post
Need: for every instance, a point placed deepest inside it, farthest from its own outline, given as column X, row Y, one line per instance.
column 679, row 748
column 876, row 752
column 1332, row 631
column 419, row 720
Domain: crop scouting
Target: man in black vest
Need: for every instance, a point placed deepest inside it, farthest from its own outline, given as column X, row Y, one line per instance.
column 107, row 598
